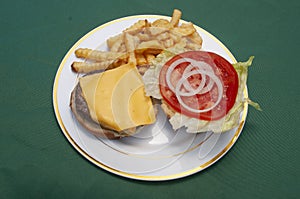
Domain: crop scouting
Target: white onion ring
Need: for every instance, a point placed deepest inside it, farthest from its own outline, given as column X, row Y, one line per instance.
column 195, row 67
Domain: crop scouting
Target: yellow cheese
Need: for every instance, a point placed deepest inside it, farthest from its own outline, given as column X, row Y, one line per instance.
column 116, row 98
column 88, row 85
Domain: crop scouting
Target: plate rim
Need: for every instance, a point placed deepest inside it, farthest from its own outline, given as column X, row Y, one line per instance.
column 116, row 171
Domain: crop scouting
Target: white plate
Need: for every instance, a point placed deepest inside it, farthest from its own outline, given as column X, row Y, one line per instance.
column 156, row 152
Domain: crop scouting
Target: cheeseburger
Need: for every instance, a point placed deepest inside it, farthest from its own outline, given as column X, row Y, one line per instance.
column 112, row 104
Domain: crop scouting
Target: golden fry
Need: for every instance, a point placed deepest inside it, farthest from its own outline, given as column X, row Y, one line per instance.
column 112, row 40
column 153, row 44
column 86, row 67
column 130, row 44
column 185, row 29
column 196, row 38
column 154, row 31
column 175, row 17
column 162, row 23
column 132, row 58
column 139, row 24
column 136, row 27
column 97, row 55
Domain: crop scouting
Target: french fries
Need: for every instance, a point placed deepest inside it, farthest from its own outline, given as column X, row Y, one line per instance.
column 139, row 44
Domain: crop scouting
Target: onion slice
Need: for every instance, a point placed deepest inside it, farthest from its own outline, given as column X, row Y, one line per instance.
column 183, row 88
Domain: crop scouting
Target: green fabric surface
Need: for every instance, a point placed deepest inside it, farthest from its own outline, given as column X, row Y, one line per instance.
column 37, row 161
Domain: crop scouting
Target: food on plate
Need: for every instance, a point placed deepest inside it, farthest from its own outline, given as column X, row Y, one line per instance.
column 159, row 60
column 112, row 104
column 199, row 90
column 139, row 44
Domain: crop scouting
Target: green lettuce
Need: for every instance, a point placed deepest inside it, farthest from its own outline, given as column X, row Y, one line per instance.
column 242, row 71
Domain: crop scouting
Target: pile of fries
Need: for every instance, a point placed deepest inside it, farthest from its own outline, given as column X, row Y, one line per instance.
column 139, row 44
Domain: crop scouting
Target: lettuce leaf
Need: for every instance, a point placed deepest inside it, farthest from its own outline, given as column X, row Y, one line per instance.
column 242, row 71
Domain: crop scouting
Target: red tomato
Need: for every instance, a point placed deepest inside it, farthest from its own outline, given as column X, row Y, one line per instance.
column 221, row 68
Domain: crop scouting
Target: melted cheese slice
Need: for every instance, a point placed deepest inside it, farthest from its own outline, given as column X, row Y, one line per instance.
column 116, row 98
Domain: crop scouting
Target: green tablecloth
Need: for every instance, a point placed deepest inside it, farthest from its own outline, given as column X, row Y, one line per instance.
column 36, row 161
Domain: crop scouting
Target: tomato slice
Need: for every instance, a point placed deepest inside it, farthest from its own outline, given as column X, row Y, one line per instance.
column 219, row 98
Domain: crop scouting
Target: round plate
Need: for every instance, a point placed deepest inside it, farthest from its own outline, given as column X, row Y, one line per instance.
column 156, row 152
